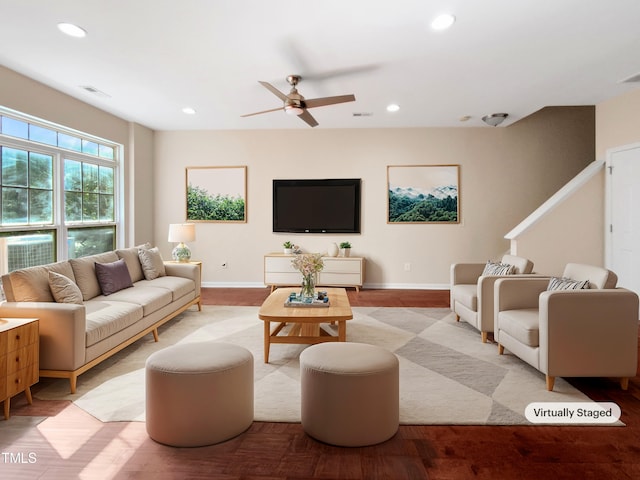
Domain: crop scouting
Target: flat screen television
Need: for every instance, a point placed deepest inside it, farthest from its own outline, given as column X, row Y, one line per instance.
column 317, row 205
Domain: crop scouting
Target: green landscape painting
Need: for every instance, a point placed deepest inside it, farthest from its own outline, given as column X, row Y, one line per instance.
column 217, row 194
column 423, row 193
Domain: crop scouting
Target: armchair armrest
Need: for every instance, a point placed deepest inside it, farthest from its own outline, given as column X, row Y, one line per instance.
column 62, row 331
column 589, row 333
column 466, row 273
column 185, row 270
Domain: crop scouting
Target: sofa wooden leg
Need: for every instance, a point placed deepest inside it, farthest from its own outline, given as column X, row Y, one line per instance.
column 73, row 382
column 485, row 337
column 457, row 317
column 500, row 349
column 624, row 383
column 550, row 381
column 155, row 334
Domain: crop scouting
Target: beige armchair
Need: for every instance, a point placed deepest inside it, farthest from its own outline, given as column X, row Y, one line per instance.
column 472, row 293
column 569, row 333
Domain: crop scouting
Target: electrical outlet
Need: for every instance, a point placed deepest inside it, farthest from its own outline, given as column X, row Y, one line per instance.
column 224, row 265
column 407, row 267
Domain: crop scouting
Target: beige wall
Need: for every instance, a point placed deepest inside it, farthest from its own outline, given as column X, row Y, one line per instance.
column 505, row 174
column 617, row 122
column 28, row 96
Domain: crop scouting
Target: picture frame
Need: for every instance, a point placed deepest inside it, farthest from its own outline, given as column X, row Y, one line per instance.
column 423, row 194
column 216, row 194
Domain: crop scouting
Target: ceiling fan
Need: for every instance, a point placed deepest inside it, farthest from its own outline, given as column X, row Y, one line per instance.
column 295, row 104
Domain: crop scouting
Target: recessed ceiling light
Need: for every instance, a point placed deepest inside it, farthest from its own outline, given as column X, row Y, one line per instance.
column 442, row 22
column 72, row 30
column 393, row 107
column 189, row 111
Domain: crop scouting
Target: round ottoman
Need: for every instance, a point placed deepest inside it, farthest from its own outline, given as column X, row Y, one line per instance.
column 349, row 393
column 198, row 393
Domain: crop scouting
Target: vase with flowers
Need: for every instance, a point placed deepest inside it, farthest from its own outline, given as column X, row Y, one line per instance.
column 308, row 264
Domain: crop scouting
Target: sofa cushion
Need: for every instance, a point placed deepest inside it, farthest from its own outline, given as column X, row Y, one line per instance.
column 151, row 262
column 32, row 284
column 130, row 256
column 523, row 325
column 178, row 286
column 521, row 265
column 149, row 298
column 493, row 268
column 563, row 283
column 113, row 276
column 106, row 318
column 84, row 271
column 63, row 289
column 598, row 277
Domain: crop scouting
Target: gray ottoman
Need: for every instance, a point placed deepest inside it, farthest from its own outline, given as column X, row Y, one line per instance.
column 349, row 393
column 198, row 393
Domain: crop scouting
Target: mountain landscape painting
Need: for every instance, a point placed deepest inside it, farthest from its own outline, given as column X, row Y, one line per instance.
column 423, row 193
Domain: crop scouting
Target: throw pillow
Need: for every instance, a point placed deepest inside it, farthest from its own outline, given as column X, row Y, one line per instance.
column 493, row 268
column 152, row 263
column 563, row 283
column 63, row 289
column 113, row 276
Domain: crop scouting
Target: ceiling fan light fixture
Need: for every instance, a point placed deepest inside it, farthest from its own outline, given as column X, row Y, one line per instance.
column 293, row 110
column 495, row 119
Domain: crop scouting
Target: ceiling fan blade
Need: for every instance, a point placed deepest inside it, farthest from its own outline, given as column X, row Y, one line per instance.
column 321, row 102
column 274, row 90
column 264, row 111
column 307, row 117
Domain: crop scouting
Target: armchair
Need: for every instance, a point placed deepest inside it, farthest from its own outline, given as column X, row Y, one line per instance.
column 471, row 292
column 569, row 333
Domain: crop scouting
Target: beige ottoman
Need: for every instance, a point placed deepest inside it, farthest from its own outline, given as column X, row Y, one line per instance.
column 198, row 393
column 349, row 393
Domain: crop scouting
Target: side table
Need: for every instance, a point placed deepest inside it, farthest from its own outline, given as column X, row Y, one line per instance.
column 19, row 358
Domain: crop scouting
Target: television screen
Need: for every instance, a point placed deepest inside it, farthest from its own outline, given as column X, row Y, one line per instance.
column 317, row 205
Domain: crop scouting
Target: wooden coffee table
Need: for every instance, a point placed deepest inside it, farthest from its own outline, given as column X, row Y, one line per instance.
column 305, row 321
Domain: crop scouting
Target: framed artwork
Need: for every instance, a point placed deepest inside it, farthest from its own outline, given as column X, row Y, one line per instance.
column 217, row 194
column 423, row 194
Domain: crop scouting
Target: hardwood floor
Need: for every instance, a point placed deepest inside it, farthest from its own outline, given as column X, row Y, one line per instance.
column 69, row 443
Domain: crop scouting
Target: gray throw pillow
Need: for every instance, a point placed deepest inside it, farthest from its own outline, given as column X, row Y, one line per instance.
column 496, row 268
column 152, row 263
column 113, row 276
column 63, row 289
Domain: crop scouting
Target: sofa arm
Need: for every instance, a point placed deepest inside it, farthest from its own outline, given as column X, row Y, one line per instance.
column 191, row 271
column 466, row 273
column 589, row 333
column 62, row 331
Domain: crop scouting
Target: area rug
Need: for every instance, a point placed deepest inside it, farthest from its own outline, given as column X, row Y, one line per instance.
column 447, row 375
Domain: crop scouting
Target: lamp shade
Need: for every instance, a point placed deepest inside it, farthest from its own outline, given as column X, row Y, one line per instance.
column 182, row 232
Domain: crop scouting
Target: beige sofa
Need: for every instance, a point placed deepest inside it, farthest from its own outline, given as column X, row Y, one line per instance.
column 590, row 332
column 471, row 292
column 80, row 326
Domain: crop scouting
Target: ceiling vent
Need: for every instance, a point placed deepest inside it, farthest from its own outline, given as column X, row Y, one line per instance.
column 632, row 79
column 95, row 91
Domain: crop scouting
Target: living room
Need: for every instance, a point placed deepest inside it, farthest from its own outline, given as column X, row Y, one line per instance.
column 506, row 173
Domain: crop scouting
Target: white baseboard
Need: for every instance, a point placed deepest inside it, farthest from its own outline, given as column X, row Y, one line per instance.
column 384, row 286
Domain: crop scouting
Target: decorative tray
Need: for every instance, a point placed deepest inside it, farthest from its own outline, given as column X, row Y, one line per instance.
column 320, row 300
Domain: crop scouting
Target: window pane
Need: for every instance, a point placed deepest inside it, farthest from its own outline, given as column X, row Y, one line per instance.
column 14, row 205
column 73, row 207
column 14, row 167
column 69, row 142
column 106, row 208
column 15, row 128
column 106, row 180
column 28, row 250
column 72, row 176
column 90, row 147
column 106, row 152
column 43, row 135
column 89, row 241
column 40, row 206
column 40, row 171
column 89, row 206
column 89, row 178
